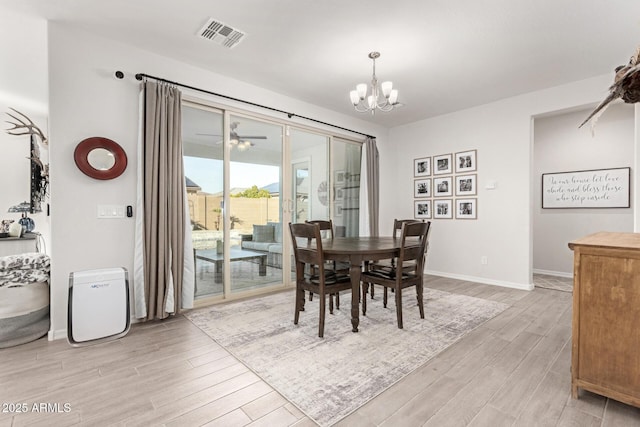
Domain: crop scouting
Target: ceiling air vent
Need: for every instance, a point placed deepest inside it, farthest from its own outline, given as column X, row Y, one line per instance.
column 221, row 33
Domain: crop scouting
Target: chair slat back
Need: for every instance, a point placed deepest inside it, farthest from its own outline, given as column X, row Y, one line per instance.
column 397, row 225
column 325, row 225
column 414, row 243
column 312, row 252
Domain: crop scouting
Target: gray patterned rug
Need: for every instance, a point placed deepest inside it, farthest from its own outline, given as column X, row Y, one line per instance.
column 329, row 378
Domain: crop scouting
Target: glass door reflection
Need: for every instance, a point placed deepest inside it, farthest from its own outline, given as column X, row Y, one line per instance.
column 202, row 135
column 255, row 206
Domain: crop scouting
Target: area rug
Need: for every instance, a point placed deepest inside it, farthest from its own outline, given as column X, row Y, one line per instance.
column 329, row 378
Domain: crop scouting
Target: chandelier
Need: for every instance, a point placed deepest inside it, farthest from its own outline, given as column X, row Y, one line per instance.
column 364, row 103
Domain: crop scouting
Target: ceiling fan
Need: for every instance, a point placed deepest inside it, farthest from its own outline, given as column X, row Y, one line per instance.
column 236, row 140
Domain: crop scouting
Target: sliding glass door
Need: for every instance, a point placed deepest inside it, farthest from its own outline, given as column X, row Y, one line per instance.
column 237, row 228
column 255, row 204
column 310, row 175
column 202, row 136
column 346, row 159
column 246, row 179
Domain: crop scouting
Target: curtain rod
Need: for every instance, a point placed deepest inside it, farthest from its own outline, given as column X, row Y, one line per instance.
column 140, row 76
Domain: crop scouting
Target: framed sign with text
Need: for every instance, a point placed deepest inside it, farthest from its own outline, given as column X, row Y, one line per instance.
column 598, row 188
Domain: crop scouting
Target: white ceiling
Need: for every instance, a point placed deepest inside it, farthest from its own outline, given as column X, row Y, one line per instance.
column 441, row 55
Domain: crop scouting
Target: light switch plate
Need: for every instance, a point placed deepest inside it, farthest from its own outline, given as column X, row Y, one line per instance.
column 110, row 211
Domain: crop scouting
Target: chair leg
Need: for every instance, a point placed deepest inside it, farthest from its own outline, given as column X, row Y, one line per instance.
column 330, row 303
column 384, row 297
column 322, row 313
column 310, row 296
column 399, row 307
column 299, row 305
column 366, row 268
column 420, row 292
column 365, row 286
column 338, row 300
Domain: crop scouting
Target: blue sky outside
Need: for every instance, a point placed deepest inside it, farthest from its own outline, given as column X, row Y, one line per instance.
column 207, row 173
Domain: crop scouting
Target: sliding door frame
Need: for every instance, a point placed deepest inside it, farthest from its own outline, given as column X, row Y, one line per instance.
column 286, row 204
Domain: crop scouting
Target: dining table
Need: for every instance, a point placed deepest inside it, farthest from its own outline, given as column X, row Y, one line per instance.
column 356, row 251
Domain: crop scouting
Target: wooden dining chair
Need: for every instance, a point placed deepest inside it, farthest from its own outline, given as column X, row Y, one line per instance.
column 325, row 225
column 389, row 265
column 326, row 232
column 412, row 252
column 310, row 257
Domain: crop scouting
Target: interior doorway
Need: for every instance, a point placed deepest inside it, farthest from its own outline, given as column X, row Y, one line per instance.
column 559, row 146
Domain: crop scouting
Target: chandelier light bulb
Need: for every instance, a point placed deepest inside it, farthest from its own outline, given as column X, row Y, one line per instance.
column 386, row 88
column 361, row 89
column 371, row 101
column 363, row 103
column 354, row 97
column 393, row 97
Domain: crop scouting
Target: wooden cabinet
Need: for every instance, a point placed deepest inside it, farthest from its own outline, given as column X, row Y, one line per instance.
column 606, row 316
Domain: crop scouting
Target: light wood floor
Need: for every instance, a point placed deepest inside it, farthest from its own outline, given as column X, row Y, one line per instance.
column 511, row 371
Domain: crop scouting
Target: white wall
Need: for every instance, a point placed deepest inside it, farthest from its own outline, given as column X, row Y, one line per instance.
column 23, row 74
column 560, row 147
column 502, row 134
column 86, row 100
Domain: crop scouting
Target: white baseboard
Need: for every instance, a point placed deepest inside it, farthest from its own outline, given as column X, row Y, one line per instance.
column 57, row 335
column 484, row 280
column 62, row 333
column 553, row 273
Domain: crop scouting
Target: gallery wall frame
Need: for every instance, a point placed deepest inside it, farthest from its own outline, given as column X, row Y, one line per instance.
column 443, row 209
column 422, row 188
column 466, row 185
column 442, row 164
column 467, row 208
column 451, row 190
column 422, row 167
column 466, row 161
column 587, row 189
column 443, row 186
column 422, row 209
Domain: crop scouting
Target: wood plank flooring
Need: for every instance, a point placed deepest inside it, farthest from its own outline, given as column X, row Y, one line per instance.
column 511, row 371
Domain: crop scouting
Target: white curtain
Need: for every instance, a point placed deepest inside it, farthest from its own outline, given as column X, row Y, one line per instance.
column 364, row 195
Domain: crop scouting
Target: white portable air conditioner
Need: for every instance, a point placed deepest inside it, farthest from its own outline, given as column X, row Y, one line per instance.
column 98, row 306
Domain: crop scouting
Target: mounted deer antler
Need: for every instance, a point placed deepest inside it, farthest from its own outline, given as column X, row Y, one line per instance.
column 24, row 126
column 626, row 85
